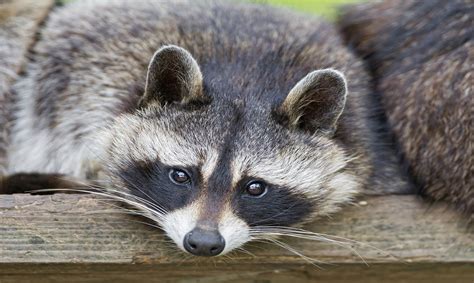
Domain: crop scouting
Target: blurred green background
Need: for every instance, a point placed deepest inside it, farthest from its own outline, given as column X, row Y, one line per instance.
column 325, row 8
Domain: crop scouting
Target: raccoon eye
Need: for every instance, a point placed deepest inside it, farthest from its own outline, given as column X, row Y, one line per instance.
column 179, row 176
column 256, row 189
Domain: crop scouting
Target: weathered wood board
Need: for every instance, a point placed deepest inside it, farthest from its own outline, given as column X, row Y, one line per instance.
column 79, row 238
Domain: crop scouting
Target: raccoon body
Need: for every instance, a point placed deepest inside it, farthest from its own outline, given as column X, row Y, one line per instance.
column 422, row 57
column 213, row 118
column 19, row 20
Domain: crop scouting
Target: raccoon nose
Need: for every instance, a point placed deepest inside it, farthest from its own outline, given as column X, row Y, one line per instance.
column 204, row 242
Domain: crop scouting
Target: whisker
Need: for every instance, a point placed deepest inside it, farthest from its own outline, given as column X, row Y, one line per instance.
column 106, row 193
column 152, row 203
column 153, row 215
column 322, row 239
column 241, row 249
column 140, row 190
column 292, row 230
column 292, row 250
column 275, row 215
column 307, row 235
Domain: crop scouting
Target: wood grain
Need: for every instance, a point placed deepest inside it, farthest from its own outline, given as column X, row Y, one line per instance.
column 83, row 239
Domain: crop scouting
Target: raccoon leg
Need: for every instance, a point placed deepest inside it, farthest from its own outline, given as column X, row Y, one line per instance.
column 31, row 182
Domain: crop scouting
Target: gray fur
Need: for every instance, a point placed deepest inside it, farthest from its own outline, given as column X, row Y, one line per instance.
column 19, row 20
column 422, row 57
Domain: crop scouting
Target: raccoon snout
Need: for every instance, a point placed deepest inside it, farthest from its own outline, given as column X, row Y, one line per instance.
column 202, row 242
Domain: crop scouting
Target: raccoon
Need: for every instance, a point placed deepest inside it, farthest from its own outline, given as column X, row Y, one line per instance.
column 214, row 119
column 422, row 56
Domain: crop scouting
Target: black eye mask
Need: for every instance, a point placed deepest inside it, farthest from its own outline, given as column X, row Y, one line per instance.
column 277, row 207
column 151, row 181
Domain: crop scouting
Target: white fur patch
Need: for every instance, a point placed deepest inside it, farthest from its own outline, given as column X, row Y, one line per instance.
column 143, row 140
column 341, row 189
column 296, row 168
column 310, row 171
column 35, row 149
column 234, row 230
column 180, row 222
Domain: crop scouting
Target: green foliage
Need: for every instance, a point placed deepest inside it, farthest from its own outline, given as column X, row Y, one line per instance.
column 326, row 8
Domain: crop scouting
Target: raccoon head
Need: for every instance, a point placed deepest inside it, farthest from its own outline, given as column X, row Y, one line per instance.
column 214, row 172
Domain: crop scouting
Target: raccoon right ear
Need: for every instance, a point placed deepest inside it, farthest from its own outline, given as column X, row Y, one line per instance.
column 173, row 76
column 316, row 102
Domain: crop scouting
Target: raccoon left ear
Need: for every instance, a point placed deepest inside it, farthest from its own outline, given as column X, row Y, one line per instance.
column 316, row 102
column 173, row 76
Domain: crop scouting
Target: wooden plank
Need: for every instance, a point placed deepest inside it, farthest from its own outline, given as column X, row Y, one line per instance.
column 81, row 238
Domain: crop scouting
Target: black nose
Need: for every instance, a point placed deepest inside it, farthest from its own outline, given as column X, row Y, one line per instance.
column 204, row 242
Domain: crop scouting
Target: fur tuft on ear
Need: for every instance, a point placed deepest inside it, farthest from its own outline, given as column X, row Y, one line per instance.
column 173, row 77
column 315, row 103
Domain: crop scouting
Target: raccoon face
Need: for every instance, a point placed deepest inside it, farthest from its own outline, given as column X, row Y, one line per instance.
column 215, row 173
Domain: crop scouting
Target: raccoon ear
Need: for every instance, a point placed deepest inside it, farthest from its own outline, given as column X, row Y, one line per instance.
column 316, row 102
column 173, row 76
